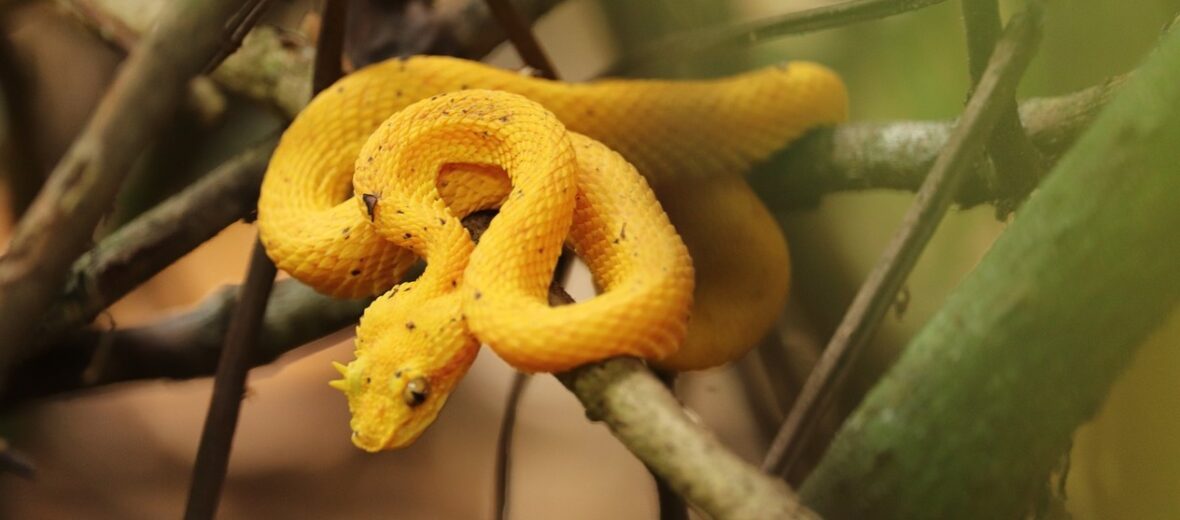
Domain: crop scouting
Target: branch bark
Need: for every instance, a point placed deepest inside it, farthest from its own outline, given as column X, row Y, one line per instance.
column 984, row 400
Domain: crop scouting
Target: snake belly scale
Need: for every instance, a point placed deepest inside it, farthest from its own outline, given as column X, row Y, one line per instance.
column 380, row 167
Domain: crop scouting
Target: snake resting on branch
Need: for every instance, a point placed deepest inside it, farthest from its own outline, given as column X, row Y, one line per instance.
column 379, row 169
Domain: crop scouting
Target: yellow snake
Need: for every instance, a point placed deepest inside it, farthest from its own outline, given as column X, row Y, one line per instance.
column 378, row 169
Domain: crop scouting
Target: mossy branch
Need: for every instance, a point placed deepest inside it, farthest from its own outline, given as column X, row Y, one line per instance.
column 985, row 399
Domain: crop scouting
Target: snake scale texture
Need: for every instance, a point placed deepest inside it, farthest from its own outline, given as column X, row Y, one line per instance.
column 379, row 169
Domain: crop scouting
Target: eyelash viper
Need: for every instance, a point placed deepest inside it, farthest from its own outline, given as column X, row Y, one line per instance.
column 332, row 215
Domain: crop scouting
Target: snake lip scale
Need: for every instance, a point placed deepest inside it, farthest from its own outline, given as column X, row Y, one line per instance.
column 642, row 178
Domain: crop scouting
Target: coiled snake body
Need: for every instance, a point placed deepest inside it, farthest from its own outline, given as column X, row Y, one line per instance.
column 380, row 167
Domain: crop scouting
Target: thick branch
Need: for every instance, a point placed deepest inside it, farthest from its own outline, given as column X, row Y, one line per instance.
column 983, row 402
column 57, row 227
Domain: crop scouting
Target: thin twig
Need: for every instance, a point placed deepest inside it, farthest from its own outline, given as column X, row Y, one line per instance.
column 520, row 33
column 1018, row 164
column 236, row 31
column 520, row 380
column 879, row 290
column 329, row 54
column 228, row 388
column 58, row 225
column 799, row 22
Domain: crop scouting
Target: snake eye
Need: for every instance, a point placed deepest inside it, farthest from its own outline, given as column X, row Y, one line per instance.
column 416, row 392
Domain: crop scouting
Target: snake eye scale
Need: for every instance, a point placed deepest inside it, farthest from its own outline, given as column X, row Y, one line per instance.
column 643, row 179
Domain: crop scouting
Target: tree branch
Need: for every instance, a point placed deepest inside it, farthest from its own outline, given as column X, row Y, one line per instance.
column 984, row 400
column 157, row 238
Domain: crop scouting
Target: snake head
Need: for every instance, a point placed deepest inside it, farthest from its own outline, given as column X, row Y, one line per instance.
column 410, row 355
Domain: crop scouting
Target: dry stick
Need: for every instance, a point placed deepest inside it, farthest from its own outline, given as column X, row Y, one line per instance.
column 229, row 383
column 58, row 225
column 329, row 64
column 1018, row 164
column 879, row 290
column 228, row 388
column 504, row 444
column 809, row 20
column 241, row 25
column 521, row 35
